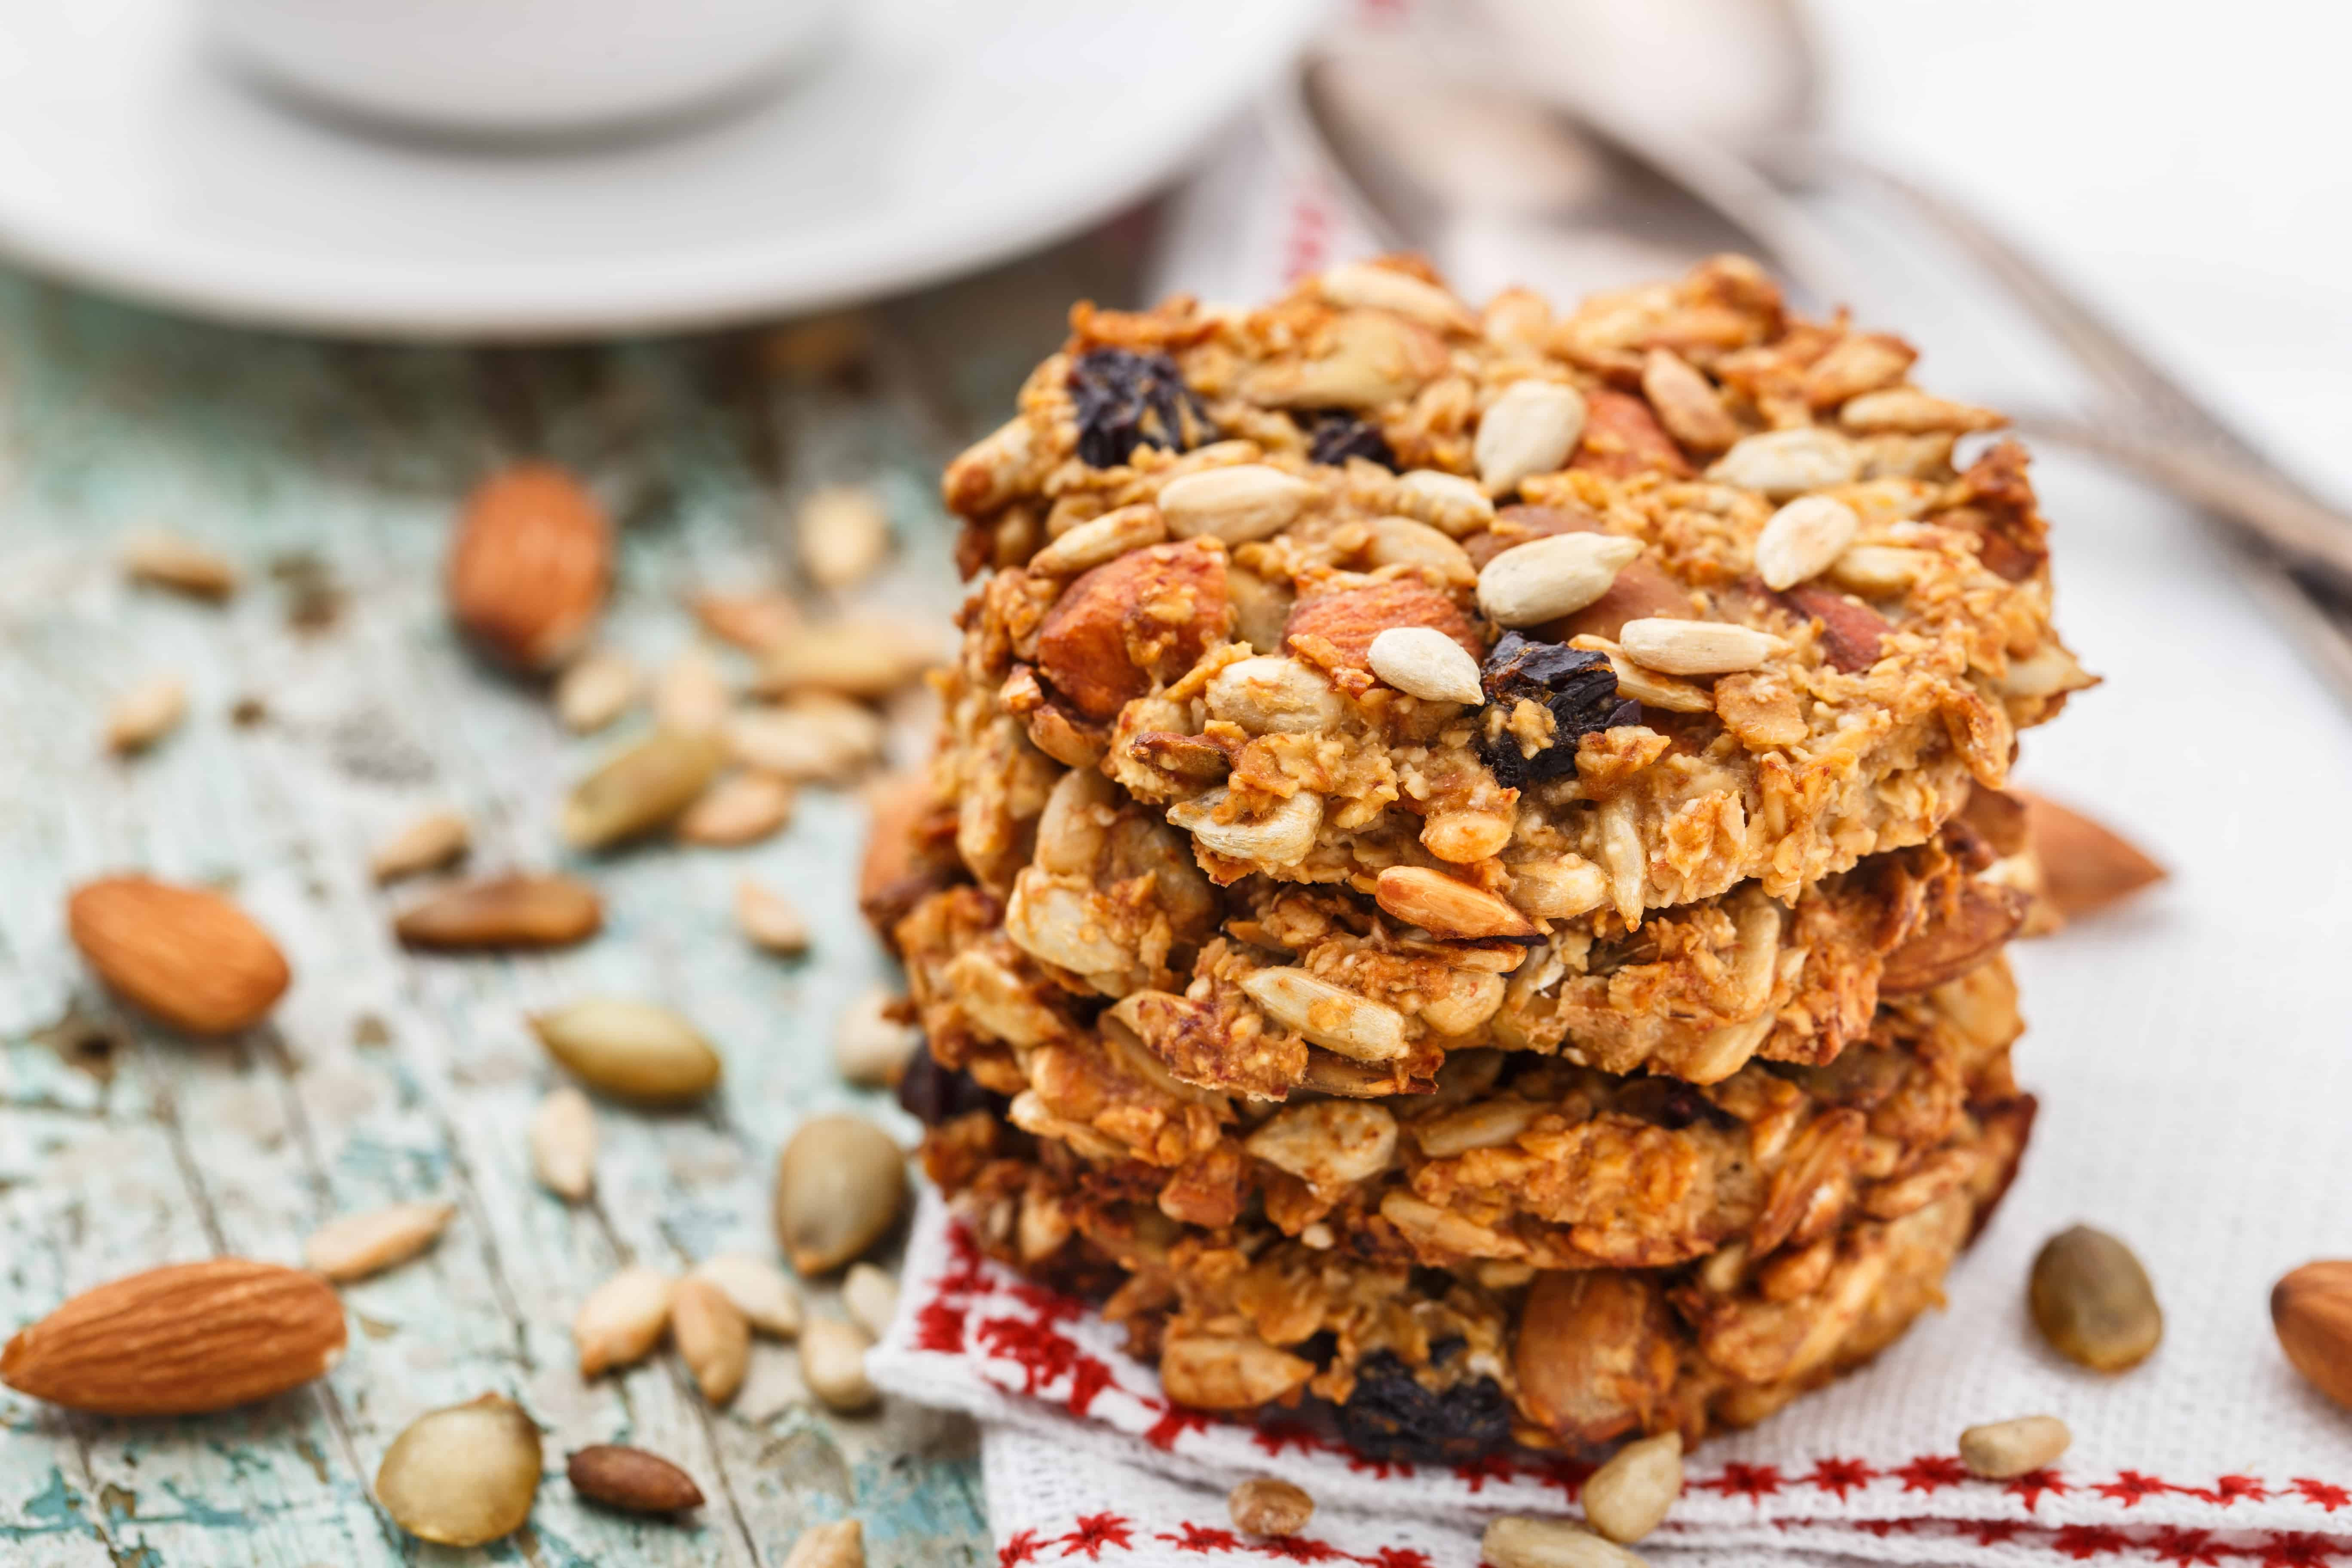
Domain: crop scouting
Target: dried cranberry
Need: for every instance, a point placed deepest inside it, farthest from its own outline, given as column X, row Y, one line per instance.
column 1340, row 437
column 1127, row 400
column 1393, row 1415
column 1578, row 686
column 932, row 1094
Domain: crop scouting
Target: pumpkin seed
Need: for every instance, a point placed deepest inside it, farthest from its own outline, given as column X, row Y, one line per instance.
column 639, row 789
column 359, row 1244
column 431, row 841
column 832, row 1364
column 841, row 1544
column 622, row 1321
column 631, row 1479
column 462, row 1475
column 631, row 1050
column 713, row 1337
column 1628, row 1497
column 2093, row 1301
column 759, row 1290
column 512, row 910
column 1518, row 1542
column 840, row 1186
column 2003, row 1451
column 872, row 1298
column 564, row 1143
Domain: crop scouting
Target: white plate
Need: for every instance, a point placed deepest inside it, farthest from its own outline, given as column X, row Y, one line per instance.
column 930, row 137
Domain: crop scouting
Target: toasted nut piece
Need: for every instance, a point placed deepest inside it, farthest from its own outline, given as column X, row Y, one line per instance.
column 529, row 566
column 1957, row 937
column 1326, row 1143
column 769, row 919
column 1878, row 570
column 1786, row 463
column 1146, row 615
column 1629, row 1497
column 1531, row 429
column 430, row 842
column 1447, row 906
column 1464, row 837
column 841, row 1185
column 1283, row 837
column 1515, row 1541
column 870, row 1047
column 564, row 1143
column 1548, row 578
column 872, row 1298
column 631, row 1050
column 622, row 1321
column 1595, row 1353
column 145, row 714
column 753, row 622
column 1623, row 437
column 1859, row 362
column 1912, row 412
column 185, row 955
column 1263, row 1505
column 2311, row 1311
column 1101, row 539
column 1236, row 504
column 2085, row 866
column 2093, row 1301
column 814, row 736
column 841, row 1544
column 691, row 697
column 742, row 808
column 464, row 1474
column 595, row 689
column 991, row 470
column 845, row 535
column 832, row 1364
column 359, row 1244
column 643, row 788
column 179, row 1340
column 1802, row 539
column 1427, row 550
column 1368, row 286
column 1686, row 403
column 168, row 561
column 1446, row 501
column 713, row 1337
column 759, row 1290
column 1335, row 1019
column 2004, row 1450
column 862, row 658
column 631, row 1479
column 1363, row 359
column 1696, row 647
column 1228, row 1372
column 1423, row 662
column 512, row 910
column 1487, row 1125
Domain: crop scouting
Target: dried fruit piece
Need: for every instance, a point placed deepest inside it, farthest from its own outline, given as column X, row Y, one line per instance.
column 713, row 1337
column 179, row 1340
column 1338, row 435
column 872, row 1298
column 185, row 955
column 2003, row 1451
column 514, row 910
column 631, row 1050
column 1263, row 1505
column 1515, row 1541
column 2311, row 1311
column 170, row 561
column 564, row 1143
column 641, row 788
column 2093, row 1301
column 1124, row 400
column 844, row 535
column 462, row 1475
column 426, row 844
column 529, row 566
column 145, row 714
column 1390, row 1415
column 869, row 1047
column 595, row 689
column 631, row 1479
column 841, row 1544
column 759, row 1290
column 1531, row 429
column 1631, row 1495
column 622, row 1321
column 1696, row 647
column 742, row 808
column 1147, row 615
column 1423, row 662
column 359, row 1244
column 2085, row 866
column 832, row 1364
column 1574, row 693
column 1548, row 578
column 841, row 1183
column 1802, row 539
column 769, row 918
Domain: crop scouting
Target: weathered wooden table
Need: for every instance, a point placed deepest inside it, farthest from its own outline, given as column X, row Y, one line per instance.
column 330, row 704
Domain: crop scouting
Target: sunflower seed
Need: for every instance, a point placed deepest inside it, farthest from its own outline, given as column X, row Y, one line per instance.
column 841, row 1544
column 631, row 1479
column 1366, row 286
column 844, row 535
column 1531, row 429
column 1802, row 538
column 814, row 736
column 753, row 621
column 359, row 1244
column 622, row 1321
column 1446, row 501
column 1785, row 463
column 631, row 1050
column 1687, row 404
column 1282, row 837
column 1695, row 648
column 1423, row 662
column 2004, row 1450
column 1628, row 1497
column 1263, row 1505
column 690, row 695
column 742, row 808
column 1237, row 503
column 512, row 910
column 595, row 689
column 769, row 918
column 832, row 1364
column 872, row 1298
column 759, row 1290
column 426, row 844
column 713, row 1337
column 1100, row 539
column 1518, row 1542
column 145, row 714
column 169, row 560
column 869, row 1048
column 1336, row 1019
column 643, row 788
column 564, row 1143
column 1547, row 578
column 865, row 658
column 463, row 1475
column 841, row 1183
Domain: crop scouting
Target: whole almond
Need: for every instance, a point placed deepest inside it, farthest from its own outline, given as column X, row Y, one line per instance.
column 1447, row 906
column 185, row 955
column 742, row 808
column 841, row 1544
column 181, row 1339
column 2086, row 865
column 2091, row 1301
column 2311, row 1311
column 769, row 918
column 145, row 714
column 631, row 1479
column 517, row 910
column 464, row 1474
column 631, row 1050
column 759, row 1290
column 622, row 1321
column 426, row 844
column 642, row 787
column 530, row 564
column 713, row 1337
column 595, row 689
column 359, row 1244
column 169, row 560
column 564, row 1143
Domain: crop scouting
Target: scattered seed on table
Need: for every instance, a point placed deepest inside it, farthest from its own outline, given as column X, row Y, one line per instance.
column 462, row 1475
column 359, row 1244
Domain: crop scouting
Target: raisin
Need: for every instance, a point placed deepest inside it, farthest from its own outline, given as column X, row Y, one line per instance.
column 1672, row 1104
column 1338, row 437
column 1127, row 400
column 1578, row 686
column 932, row 1094
column 1393, row 1415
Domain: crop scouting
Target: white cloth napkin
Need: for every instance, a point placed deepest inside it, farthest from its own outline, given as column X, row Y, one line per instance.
column 2193, row 1053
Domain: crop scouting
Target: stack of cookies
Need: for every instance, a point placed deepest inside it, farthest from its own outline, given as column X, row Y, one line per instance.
column 1463, row 883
